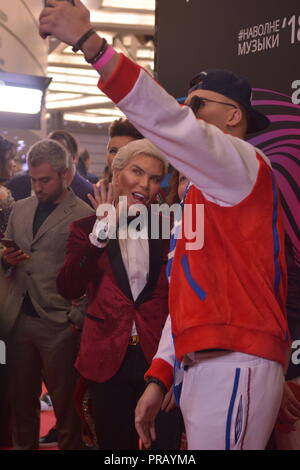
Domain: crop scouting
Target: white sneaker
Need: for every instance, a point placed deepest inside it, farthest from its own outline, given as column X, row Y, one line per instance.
column 46, row 403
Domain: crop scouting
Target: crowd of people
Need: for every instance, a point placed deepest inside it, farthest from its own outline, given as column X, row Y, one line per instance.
column 162, row 336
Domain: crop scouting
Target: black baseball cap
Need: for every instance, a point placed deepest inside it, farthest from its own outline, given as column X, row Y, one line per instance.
column 234, row 87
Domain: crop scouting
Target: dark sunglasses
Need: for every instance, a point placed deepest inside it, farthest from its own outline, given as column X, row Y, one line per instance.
column 197, row 102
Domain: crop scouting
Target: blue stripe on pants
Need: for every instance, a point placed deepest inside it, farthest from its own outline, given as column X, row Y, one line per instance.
column 230, row 410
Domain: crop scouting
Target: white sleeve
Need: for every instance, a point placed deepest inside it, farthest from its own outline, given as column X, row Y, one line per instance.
column 95, row 239
column 223, row 167
column 165, row 349
column 105, row 228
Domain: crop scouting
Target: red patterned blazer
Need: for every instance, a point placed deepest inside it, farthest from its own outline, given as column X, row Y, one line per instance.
column 100, row 273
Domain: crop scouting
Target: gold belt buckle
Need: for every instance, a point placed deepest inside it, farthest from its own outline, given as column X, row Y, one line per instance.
column 133, row 340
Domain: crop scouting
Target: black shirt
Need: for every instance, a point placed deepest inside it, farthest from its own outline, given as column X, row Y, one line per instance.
column 42, row 212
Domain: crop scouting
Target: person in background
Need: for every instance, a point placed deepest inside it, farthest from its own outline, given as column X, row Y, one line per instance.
column 83, row 166
column 6, row 205
column 120, row 133
column 178, row 183
column 38, row 323
column 81, row 186
column 18, row 166
column 20, row 184
column 7, row 155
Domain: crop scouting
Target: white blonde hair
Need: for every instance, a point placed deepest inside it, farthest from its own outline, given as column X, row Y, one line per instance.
column 134, row 148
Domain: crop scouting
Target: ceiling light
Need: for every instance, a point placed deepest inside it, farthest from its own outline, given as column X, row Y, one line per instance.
column 92, row 3
column 134, row 4
column 57, row 77
column 145, row 53
column 128, row 19
column 85, row 101
column 68, row 87
column 69, row 60
column 14, row 99
column 21, row 100
column 61, row 96
column 106, row 112
column 73, row 71
column 88, row 119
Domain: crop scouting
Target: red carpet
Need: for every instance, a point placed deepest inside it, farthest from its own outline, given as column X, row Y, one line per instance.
column 47, row 422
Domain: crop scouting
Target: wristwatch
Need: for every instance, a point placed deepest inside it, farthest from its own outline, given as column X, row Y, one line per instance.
column 158, row 382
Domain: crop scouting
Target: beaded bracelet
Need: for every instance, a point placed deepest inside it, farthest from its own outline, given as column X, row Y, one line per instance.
column 104, row 58
column 100, row 53
column 83, row 38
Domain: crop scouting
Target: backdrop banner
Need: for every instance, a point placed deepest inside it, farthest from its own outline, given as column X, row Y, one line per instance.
column 258, row 39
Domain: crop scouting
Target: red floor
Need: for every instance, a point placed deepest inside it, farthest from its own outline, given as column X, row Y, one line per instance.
column 47, row 421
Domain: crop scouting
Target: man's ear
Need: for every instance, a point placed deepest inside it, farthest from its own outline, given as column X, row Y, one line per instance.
column 234, row 117
column 65, row 174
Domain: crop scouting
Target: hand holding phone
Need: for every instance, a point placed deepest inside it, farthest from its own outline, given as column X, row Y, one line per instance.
column 64, row 20
column 12, row 255
column 45, row 35
column 9, row 243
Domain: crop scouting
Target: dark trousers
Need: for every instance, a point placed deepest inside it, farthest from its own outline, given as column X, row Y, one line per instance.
column 114, row 403
column 35, row 348
column 5, row 412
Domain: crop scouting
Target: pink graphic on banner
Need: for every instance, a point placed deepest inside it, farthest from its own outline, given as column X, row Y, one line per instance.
column 281, row 144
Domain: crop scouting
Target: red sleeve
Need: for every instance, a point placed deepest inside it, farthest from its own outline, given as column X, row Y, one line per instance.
column 161, row 370
column 122, row 80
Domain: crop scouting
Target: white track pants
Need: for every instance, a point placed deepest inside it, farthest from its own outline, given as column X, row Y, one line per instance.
column 230, row 401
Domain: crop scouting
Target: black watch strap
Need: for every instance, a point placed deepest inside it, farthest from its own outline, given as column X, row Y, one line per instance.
column 82, row 40
column 158, row 382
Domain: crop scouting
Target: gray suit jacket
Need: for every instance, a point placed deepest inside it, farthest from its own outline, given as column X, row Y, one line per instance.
column 37, row 275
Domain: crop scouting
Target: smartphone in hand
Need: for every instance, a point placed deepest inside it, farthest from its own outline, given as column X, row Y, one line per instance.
column 9, row 243
column 46, row 5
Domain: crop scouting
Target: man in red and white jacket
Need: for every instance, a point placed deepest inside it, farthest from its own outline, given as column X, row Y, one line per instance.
column 227, row 326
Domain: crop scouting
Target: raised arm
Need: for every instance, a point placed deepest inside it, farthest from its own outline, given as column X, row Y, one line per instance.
column 223, row 167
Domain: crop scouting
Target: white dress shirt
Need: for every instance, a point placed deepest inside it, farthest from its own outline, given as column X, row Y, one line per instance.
column 135, row 256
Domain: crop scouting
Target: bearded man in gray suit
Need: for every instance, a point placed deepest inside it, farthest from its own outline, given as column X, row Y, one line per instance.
column 38, row 323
